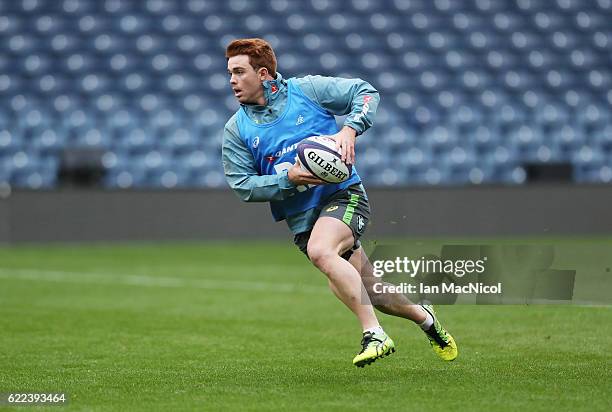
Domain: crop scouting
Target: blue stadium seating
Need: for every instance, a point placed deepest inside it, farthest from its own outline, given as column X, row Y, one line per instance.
column 471, row 89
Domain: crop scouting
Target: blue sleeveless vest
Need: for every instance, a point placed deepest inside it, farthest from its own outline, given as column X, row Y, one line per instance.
column 274, row 148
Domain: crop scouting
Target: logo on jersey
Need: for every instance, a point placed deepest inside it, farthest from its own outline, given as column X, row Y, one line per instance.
column 331, row 208
column 365, row 109
column 300, row 120
column 273, row 88
column 255, row 142
column 286, row 150
column 271, row 158
column 360, row 223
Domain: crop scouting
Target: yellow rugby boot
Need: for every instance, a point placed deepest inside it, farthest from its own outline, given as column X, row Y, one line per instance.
column 373, row 346
column 441, row 341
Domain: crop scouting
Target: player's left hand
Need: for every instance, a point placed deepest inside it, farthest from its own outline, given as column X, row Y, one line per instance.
column 345, row 144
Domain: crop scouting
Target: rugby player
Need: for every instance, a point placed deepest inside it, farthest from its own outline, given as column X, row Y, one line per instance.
column 327, row 220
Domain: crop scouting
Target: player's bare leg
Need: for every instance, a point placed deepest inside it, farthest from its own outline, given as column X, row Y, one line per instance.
column 396, row 304
column 328, row 240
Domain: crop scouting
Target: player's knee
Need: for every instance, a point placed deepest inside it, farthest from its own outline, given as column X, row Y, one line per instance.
column 383, row 309
column 320, row 255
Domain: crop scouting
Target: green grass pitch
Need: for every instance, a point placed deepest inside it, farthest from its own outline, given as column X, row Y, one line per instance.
column 252, row 326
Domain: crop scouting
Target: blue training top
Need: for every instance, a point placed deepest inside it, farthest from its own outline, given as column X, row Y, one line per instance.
column 274, row 144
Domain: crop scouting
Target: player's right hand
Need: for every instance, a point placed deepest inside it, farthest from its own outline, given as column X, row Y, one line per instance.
column 300, row 176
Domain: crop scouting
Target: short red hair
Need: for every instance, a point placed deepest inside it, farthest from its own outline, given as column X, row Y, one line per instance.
column 259, row 51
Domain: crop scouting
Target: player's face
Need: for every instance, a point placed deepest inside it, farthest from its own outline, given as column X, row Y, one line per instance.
column 245, row 81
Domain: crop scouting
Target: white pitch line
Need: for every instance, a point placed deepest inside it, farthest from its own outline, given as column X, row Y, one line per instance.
column 175, row 282
column 155, row 281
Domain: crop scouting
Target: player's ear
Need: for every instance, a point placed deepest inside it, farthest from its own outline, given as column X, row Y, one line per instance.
column 263, row 73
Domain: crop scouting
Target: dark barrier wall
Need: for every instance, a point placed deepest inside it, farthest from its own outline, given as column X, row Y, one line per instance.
column 136, row 215
column 4, row 218
column 520, row 210
column 66, row 216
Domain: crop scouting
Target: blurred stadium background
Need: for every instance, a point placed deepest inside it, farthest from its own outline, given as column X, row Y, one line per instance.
column 121, row 94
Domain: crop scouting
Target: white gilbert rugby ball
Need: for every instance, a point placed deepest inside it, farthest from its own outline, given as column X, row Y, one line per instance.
column 318, row 155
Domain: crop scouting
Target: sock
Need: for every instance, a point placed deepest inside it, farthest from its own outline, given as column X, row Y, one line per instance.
column 378, row 330
column 426, row 324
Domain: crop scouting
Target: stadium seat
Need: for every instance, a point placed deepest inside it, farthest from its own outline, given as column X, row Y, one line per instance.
column 489, row 82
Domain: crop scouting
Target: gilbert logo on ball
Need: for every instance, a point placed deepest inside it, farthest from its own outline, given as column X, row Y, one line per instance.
column 318, row 155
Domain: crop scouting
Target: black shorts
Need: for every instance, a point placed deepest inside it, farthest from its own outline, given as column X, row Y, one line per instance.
column 350, row 206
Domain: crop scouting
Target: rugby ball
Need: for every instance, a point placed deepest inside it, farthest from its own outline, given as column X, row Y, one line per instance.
column 318, row 155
